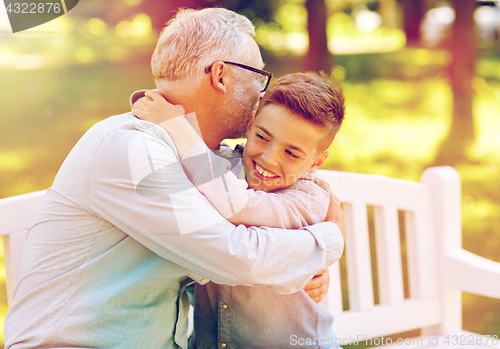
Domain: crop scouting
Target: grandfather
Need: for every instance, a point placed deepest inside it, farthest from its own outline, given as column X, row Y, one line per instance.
column 122, row 231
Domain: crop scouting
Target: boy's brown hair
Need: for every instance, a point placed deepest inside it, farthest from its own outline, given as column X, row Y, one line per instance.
column 314, row 97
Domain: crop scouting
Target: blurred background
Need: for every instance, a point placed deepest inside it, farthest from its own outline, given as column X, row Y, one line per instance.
column 421, row 79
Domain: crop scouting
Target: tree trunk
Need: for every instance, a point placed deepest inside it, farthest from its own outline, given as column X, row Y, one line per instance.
column 413, row 13
column 318, row 57
column 387, row 9
column 462, row 72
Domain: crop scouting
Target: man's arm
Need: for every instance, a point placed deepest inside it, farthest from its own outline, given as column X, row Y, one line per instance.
column 145, row 193
column 302, row 204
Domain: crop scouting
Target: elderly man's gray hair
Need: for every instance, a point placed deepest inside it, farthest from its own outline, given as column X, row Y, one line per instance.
column 194, row 39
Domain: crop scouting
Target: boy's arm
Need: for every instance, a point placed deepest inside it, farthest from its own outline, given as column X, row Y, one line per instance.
column 317, row 288
column 304, row 203
column 262, row 208
column 154, row 108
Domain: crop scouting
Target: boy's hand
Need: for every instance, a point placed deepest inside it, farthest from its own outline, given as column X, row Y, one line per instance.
column 318, row 286
column 154, row 108
column 335, row 213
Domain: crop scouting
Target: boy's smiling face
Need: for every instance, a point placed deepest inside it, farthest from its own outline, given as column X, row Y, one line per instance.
column 280, row 147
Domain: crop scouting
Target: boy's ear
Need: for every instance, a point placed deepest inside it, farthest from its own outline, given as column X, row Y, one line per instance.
column 318, row 162
column 219, row 76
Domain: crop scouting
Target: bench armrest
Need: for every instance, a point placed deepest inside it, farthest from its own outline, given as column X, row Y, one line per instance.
column 471, row 273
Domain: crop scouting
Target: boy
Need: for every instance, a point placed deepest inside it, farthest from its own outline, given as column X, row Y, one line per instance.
column 296, row 122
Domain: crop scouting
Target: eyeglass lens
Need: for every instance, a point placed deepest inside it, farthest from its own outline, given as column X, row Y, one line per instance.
column 263, row 82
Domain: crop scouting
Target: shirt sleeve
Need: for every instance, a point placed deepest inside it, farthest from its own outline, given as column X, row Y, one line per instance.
column 137, row 183
column 302, row 204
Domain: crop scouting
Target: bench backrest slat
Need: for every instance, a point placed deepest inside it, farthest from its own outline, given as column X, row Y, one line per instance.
column 390, row 273
column 377, row 208
column 358, row 257
column 16, row 216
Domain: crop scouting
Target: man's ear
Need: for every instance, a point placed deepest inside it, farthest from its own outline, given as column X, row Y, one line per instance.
column 219, row 76
column 318, row 162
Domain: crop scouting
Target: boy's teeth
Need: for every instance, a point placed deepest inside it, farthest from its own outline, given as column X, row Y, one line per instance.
column 264, row 172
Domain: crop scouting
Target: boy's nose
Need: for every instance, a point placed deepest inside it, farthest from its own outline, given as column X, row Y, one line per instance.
column 270, row 158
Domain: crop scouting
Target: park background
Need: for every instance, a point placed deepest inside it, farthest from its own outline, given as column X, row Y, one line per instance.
column 421, row 80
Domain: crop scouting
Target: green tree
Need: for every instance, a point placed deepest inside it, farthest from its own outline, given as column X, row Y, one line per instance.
column 462, row 72
column 318, row 56
column 413, row 13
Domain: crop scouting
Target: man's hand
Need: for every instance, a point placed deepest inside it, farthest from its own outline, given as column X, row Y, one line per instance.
column 335, row 213
column 318, row 286
column 154, row 108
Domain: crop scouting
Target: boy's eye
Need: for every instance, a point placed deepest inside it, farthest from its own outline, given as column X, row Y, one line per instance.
column 259, row 136
column 292, row 154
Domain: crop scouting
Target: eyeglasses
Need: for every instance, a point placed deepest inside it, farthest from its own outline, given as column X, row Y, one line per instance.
column 264, row 80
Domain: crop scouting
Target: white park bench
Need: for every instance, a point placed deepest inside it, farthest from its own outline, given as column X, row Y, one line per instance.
column 437, row 267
